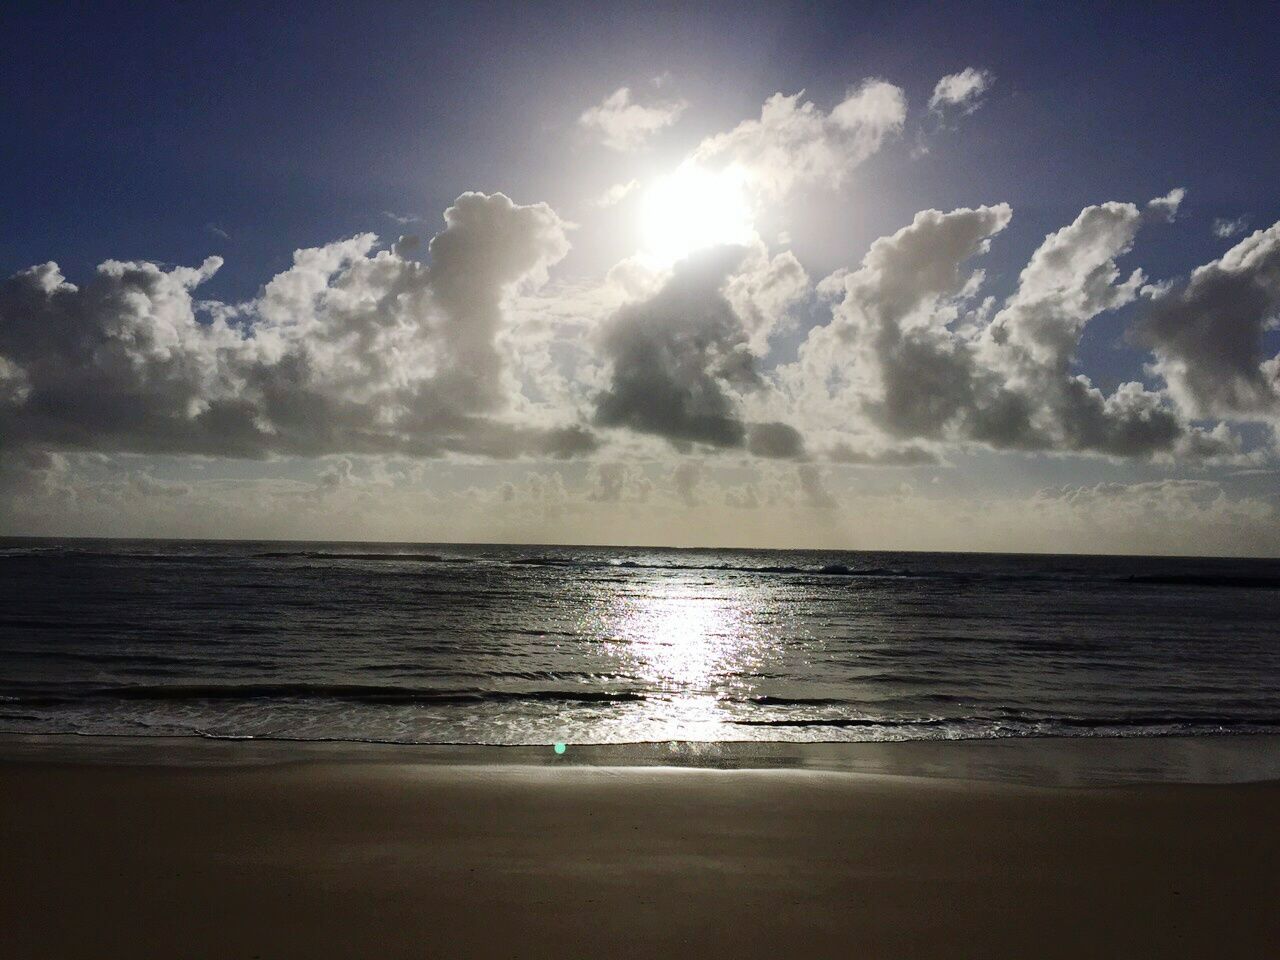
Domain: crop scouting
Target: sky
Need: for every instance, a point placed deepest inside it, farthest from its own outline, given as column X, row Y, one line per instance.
column 881, row 276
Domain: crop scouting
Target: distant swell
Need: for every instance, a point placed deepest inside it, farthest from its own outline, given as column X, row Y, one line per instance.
column 1207, row 580
column 832, row 570
column 322, row 555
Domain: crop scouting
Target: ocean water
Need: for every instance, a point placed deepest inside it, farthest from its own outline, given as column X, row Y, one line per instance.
column 536, row 645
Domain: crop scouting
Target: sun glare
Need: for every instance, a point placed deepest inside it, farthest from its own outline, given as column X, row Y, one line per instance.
column 692, row 209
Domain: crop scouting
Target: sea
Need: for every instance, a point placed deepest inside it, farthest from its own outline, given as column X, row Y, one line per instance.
column 485, row 644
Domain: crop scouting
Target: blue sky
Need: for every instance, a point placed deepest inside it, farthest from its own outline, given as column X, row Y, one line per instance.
column 132, row 126
column 170, row 133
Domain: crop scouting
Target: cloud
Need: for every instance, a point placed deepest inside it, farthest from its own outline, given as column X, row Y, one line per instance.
column 764, row 294
column 904, row 455
column 617, row 193
column 363, row 349
column 1207, row 334
column 961, row 92
column 680, row 361
column 617, row 482
column 686, row 478
column 217, row 231
column 1156, row 515
column 1224, row 228
column 1166, row 208
column 775, row 441
column 349, row 350
column 813, row 487
column 908, row 353
column 624, row 125
column 794, row 143
column 889, row 344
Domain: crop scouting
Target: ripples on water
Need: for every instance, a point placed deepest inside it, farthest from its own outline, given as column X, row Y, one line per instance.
column 492, row 644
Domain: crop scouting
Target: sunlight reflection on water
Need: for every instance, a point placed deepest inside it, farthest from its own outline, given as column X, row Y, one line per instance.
column 703, row 651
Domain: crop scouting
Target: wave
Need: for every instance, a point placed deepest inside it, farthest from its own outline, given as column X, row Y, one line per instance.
column 325, row 555
column 845, row 722
column 830, row 569
column 841, row 570
column 1034, row 723
column 1206, row 580
column 355, row 693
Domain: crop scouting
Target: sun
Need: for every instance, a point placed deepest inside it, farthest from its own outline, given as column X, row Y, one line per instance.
column 694, row 208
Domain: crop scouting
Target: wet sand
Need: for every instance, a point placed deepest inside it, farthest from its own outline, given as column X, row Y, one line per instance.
column 245, row 850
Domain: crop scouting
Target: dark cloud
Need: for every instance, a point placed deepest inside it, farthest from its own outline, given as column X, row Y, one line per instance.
column 1207, row 334
column 678, row 359
column 775, row 440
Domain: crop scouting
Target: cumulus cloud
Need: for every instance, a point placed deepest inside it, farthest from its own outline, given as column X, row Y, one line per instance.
column 795, row 143
column 680, row 360
column 764, row 295
column 1166, row 208
column 677, row 358
column 363, row 349
column 1208, row 334
column 907, row 351
column 961, row 92
column 624, row 125
column 889, row 348
column 351, row 349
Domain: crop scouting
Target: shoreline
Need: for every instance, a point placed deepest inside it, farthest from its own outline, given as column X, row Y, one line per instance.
column 1226, row 758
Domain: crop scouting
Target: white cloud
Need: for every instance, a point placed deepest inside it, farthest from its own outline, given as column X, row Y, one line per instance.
column 794, row 143
column 617, row 193
column 402, row 219
column 1224, row 228
column 961, row 91
column 349, row 350
column 1166, row 207
column 624, row 125
column 908, row 354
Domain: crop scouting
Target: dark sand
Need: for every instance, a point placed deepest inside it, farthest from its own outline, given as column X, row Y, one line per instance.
column 249, row 851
